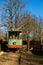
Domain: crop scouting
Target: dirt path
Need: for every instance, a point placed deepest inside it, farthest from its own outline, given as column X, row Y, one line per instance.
column 9, row 58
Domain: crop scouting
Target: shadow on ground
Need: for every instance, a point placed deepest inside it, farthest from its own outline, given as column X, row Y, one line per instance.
column 40, row 53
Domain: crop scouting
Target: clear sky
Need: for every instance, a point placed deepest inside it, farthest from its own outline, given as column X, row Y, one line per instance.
column 34, row 6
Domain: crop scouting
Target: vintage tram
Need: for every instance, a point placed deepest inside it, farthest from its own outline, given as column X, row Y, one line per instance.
column 14, row 39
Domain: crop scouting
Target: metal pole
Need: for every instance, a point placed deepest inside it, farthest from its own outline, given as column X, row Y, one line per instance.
column 27, row 42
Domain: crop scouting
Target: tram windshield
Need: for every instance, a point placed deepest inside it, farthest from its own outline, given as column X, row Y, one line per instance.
column 15, row 37
column 15, row 34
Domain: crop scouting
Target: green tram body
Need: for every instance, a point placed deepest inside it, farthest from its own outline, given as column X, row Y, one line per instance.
column 14, row 39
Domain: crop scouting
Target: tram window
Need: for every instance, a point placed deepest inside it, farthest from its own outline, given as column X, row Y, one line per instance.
column 14, row 34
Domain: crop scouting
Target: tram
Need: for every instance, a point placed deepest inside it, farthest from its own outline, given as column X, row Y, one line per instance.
column 14, row 39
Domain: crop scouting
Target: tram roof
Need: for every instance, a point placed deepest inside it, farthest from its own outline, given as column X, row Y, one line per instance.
column 14, row 30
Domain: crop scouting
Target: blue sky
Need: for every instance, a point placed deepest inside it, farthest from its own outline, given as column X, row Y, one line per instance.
column 34, row 6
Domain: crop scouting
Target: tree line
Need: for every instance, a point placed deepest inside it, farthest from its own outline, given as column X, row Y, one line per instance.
column 14, row 14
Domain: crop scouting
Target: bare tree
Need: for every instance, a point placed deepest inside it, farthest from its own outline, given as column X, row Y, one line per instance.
column 13, row 11
column 41, row 28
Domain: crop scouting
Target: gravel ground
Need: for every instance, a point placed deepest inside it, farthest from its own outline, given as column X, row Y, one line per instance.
column 9, row 58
